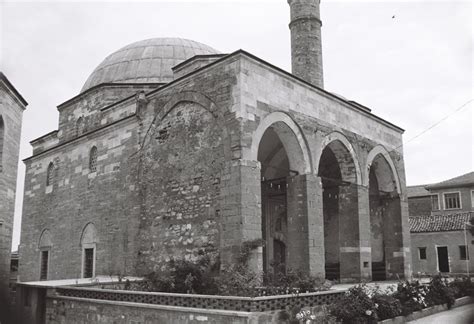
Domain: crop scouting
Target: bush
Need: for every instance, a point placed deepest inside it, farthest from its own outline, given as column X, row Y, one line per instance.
column 439, row 292
column 181, row 276
column 462, row 286
column 355, row 307
column 412, row 296
column 387, row 306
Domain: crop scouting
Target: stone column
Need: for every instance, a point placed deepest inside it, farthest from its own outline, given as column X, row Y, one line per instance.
column 240, row 211
column 395, row 254
column 305, row 224
column 354, row 233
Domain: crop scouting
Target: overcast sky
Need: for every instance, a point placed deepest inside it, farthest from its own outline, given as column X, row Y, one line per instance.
column 411, row 62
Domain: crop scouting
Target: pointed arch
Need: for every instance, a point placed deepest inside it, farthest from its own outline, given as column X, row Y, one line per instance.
column 291, row 137
column 344, row 151
column 89, row 234
column 50, row 174
column 379, row 149
column 93, row 159
column 45, row 239
column 88, row 246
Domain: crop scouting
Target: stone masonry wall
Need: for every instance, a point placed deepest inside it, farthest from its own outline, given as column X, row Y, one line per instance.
column 107, row 198
column 11, row 112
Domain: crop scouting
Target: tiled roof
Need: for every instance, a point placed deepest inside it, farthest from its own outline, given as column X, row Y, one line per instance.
column 439, row 223
column 462, row 180
column 417, row 191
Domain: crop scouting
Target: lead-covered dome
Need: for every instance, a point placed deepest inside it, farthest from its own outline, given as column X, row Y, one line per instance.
column 146, row 61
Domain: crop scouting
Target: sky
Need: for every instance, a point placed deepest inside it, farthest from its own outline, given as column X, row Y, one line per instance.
column 411, row 62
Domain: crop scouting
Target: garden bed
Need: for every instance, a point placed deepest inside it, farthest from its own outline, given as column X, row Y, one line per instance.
column 428, row 311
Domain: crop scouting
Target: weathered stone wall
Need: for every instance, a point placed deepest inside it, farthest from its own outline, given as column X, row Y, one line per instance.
column 182, row 178
column 107, row 198
column 90, row 107
column 11, row 111
column 450, row 239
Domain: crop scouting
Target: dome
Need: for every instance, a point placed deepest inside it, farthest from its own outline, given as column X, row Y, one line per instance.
column 147, row 61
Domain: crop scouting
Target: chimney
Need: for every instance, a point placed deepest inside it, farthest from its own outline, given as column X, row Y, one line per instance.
column 306, row 51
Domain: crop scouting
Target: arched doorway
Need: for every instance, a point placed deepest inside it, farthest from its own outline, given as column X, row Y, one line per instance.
column 339, row 177
column 385, row 218
column 281, row 159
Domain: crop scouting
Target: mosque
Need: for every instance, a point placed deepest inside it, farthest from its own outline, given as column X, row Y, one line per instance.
column 175, row 150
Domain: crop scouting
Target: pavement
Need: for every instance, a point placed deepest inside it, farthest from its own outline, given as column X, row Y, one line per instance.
column 459, row 315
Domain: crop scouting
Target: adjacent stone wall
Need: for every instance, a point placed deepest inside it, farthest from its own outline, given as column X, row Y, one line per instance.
column 106, row 198
column 11, row 111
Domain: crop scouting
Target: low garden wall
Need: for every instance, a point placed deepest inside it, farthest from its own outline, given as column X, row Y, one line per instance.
column 244, row 304
column 73, row 305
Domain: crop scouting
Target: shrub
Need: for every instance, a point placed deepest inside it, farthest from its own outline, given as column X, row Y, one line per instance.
column 181, row 276
column 386, row 306
column 412, row 296
column 355, row 307
column 462, row 286
column 439, row 292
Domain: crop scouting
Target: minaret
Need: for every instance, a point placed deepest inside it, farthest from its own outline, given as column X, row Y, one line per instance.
column 306, row 51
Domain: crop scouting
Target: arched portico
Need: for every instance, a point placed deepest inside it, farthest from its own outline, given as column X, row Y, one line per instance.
column 386, row 231
column 340, row 175
column 285, row 182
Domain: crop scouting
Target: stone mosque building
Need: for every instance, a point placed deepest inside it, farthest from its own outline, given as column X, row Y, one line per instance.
column 174, row 150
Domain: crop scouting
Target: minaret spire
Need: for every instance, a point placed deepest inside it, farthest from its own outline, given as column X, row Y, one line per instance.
column 306, row 48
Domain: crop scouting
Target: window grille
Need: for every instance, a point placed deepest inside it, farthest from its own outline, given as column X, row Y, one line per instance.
column 50, row 175
column 44, row 265
column 79, row 126
column 93, row 159
column 88, row 263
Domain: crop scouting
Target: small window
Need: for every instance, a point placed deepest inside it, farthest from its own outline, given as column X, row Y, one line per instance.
column 422, row 253
column 472, row 198
column 79, row 126
column 452, row 200
column 88, row 262
column 463, row 253
column 93, row 159
column 434, row 202
column 50, row 175
column 44, row 265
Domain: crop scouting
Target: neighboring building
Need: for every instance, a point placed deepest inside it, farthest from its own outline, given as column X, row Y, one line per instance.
column 452, row 196
column 440, row 225
column 12, row 106
column 173, row 150
column 419, row 200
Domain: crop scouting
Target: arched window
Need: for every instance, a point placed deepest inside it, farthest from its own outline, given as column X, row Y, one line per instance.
column 88, row 245
column 2, row 139
column 44, row 247
column 50, row 174
column 93, row 159
column 79, row 126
